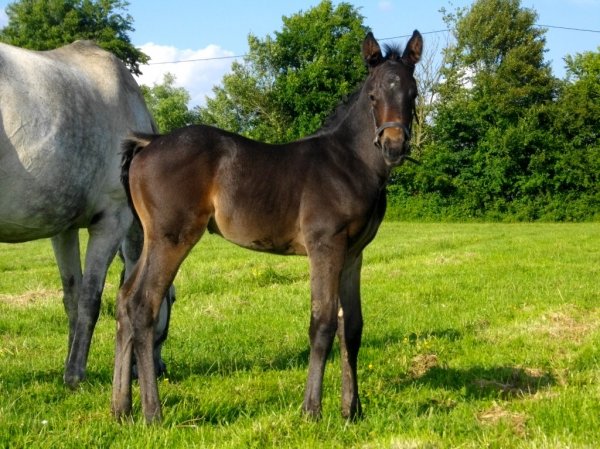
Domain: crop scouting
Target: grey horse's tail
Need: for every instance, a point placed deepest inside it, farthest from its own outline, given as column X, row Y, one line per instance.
column 131, row 146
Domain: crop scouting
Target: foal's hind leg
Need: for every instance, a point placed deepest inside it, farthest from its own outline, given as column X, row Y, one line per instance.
column 350, row 325
column 163, row 261
column 121, row 393
column 139, row 306
column 130, row 252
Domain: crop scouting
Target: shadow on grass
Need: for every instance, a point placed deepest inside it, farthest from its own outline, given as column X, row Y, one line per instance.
column 413, row 338
column 503, row 382
column 197, row 411
column 54, row 376
column 18, row 378
column 292, row 358
column 289, row 357
column 476, row 383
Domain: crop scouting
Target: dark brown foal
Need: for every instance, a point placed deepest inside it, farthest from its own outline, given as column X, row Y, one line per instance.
column 323, row 196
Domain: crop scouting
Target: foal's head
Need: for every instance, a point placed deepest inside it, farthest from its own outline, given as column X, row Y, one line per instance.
column 392, row 90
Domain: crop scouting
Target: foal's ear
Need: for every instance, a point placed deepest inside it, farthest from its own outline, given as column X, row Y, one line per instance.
column 371, row 51
column 414, row 49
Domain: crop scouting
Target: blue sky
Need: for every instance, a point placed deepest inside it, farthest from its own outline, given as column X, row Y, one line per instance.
column 195, row 29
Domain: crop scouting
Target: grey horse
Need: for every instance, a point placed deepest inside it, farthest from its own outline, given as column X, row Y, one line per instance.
column 63, row 115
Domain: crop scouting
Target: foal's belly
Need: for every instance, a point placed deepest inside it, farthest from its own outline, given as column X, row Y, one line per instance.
column 264, row 237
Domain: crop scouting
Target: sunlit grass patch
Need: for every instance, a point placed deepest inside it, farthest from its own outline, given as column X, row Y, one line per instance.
column 478, row 335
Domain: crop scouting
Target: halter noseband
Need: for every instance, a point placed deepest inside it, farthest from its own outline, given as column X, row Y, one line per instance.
column 386, row 125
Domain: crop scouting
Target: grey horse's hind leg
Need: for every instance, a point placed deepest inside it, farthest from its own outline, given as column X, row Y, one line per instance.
column 161, row 330
column 130, row 252
column 104, row 239
column 68, row 258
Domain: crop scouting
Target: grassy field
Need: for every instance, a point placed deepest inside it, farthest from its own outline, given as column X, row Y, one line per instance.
column 476, row 336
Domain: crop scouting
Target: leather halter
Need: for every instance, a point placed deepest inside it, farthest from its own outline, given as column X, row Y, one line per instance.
column 386, row 125
column 402, row 126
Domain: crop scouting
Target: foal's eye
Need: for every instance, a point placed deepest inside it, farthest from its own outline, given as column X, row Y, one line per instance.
column 371, row 97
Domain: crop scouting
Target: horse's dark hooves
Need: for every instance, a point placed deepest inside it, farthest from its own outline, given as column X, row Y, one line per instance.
column 353, row 415
column 122, row 417
column 311, row 415
column 160, row 369
column 153, row 418
column 72, row 381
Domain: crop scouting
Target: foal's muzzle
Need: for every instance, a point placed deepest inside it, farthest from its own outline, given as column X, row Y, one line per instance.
column 394, row 155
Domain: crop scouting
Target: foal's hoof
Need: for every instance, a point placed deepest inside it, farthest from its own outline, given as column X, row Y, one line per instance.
column 72, row 380
column 353, row 415
column 312, row 414
column 353, row 411
column 122, row 415
column 153, row 417
column 160, row 368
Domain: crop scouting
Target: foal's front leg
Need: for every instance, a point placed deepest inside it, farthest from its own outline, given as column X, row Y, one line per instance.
column 350, row 325
column 326, row 262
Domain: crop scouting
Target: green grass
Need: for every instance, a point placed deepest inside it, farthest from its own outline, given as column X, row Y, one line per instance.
column 476, row 336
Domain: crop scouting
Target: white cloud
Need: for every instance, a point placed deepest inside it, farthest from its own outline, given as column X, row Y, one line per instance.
column 197, row 77
column 386, row 5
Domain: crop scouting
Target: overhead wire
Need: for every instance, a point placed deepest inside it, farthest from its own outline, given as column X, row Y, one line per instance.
column 215, row 58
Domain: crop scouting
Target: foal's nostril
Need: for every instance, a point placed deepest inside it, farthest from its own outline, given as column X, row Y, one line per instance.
column 394, row 139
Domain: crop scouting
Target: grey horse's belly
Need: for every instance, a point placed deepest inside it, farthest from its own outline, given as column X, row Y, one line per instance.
column 36, row 210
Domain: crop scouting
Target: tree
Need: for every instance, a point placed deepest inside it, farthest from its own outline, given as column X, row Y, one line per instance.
column 168, row 104
column 575, row 119
column 428, row 76
column 580, row 99
column 494, row 83
column 289, row 84
column 48, row 24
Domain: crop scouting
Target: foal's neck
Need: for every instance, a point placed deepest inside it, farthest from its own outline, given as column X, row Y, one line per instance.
column 357, row 131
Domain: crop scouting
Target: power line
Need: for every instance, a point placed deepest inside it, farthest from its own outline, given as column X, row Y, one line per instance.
column 215, row 58
column 568, row 28
column 243, row 56
column 198, row 59
column 409, row 35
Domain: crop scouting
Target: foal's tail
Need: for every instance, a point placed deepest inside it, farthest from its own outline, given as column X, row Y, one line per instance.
column 131, row 146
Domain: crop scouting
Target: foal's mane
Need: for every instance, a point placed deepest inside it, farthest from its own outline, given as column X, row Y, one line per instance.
column 393, row 52
column 340, row 112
